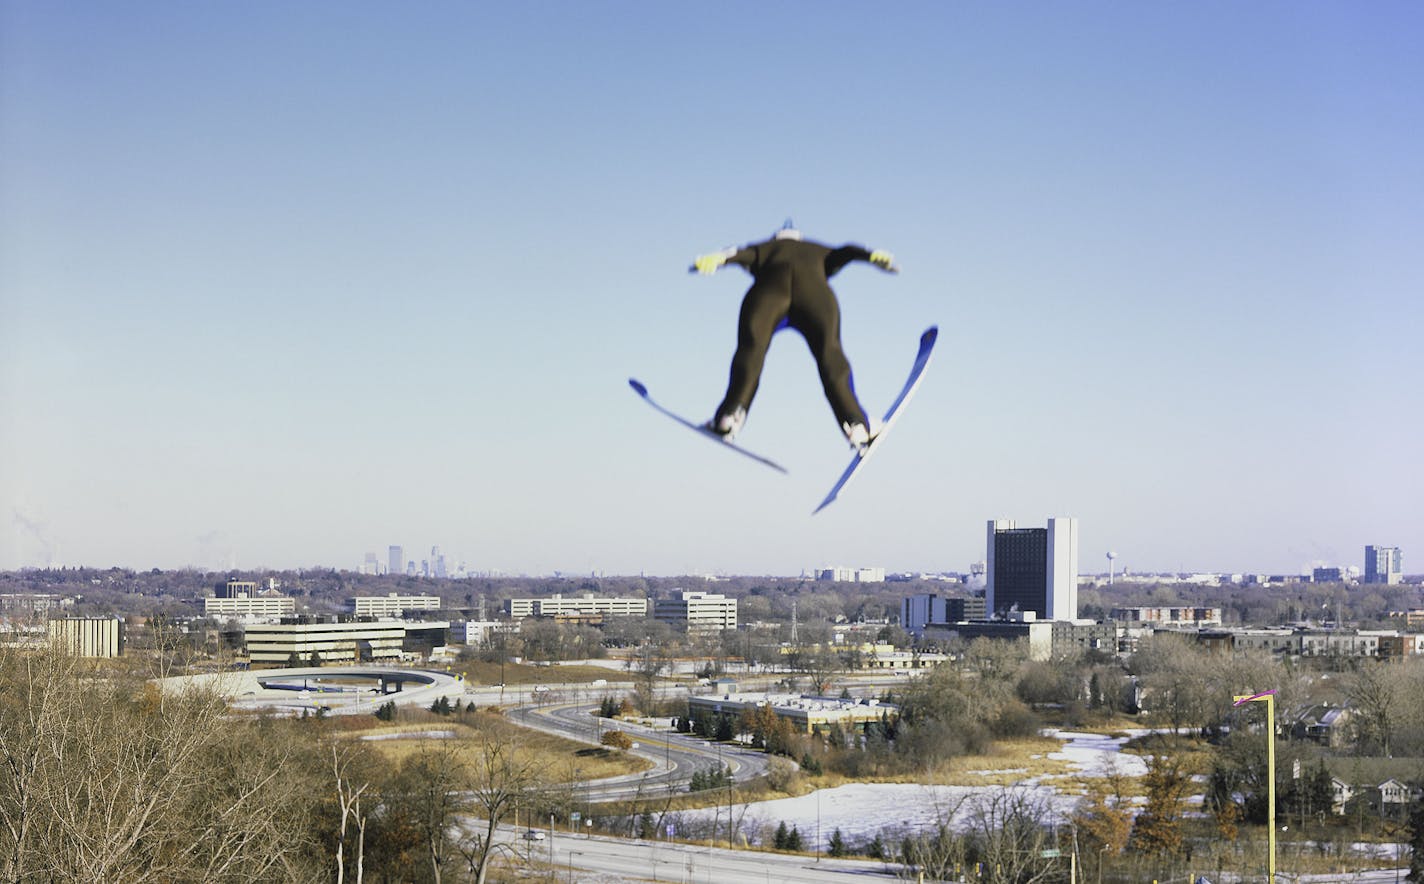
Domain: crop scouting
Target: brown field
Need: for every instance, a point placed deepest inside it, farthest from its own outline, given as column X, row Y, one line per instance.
column 478, row 672
column 563, row 760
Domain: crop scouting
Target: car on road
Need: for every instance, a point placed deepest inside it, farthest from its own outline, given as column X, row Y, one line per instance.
column 534, row 835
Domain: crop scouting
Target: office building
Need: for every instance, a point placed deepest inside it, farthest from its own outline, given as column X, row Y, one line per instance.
column 333, row 640
column 88, row 636
column 244, row 606
column 697, row 611
column 917, row 612
column 395, row 560
column 240, row 598
column 236, row 589
column 1032, row 569
column 1167, row 616
column 393, row 604
column 852, row 575
column 1383, row 564
column 477, row 632
column 32, row 604
column 580, row 606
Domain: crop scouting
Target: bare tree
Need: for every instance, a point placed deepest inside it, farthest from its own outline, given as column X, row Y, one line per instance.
column 1010, row 833
column 430, row 787
column 1374, row 690
column 107, row 778
column 348, row 797
column 499, row 783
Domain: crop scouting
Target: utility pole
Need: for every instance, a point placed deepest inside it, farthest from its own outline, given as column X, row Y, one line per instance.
column 1270, row 698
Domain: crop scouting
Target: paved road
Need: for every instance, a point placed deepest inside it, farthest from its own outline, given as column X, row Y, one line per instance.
column 341, row 690
column 675, row 756
column 601, row 860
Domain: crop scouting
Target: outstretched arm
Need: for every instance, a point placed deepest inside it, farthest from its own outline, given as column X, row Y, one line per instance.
column 712, row 262
column 842, row 256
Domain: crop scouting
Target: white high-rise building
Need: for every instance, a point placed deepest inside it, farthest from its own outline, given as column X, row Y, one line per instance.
column 395, row 564
column 1032, row 569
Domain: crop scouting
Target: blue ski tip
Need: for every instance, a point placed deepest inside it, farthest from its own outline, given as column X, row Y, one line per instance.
column 929, row 336
column 641, row 390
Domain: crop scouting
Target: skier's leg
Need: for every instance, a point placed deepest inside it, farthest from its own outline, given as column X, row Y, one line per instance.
column 818, row 319
column 763, row 309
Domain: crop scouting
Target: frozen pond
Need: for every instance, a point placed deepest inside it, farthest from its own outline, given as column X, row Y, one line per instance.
column 860, row 810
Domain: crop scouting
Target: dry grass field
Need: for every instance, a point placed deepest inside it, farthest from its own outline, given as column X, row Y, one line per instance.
column 562, row 760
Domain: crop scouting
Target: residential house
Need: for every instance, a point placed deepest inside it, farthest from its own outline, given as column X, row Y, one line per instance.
column 1327, row 725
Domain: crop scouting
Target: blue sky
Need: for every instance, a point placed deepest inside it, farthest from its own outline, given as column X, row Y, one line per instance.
column 282, row 284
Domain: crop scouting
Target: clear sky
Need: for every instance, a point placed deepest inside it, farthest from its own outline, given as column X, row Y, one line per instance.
column 285, row 283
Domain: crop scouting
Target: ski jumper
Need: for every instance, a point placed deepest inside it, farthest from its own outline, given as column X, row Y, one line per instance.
column 791, row 288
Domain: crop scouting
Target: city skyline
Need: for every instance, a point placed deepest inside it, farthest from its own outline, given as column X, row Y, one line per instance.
column 280, row 285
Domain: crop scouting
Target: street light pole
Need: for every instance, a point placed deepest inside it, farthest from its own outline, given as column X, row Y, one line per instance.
column 1270, row 698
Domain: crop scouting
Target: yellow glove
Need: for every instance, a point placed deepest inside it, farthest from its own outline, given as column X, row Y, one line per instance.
column 709, row 264
column 885, row 261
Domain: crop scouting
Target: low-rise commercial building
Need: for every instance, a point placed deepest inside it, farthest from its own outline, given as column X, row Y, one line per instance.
column 1167, row 616
column 852, row 575
column 919, row 611
column 393, row 604
column 333, row 640
column 33, row 604
column 807, row 714
column 264, row 605
column 88, row 636
column 584, row 605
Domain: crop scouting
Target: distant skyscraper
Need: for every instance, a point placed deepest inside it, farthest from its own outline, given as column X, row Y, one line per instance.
column 1383, row 564
column 437, row 562
column 396, row 563
column 1033, row 569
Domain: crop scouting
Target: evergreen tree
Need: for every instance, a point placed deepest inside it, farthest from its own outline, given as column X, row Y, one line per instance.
column 876, row 848
column 836, row 845
column 1320, row 791
column 793, row 840
column 725, row 729
column 779, row 841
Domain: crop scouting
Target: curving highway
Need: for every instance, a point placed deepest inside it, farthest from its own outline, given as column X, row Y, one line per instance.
column 675, row 757
column 340, row 690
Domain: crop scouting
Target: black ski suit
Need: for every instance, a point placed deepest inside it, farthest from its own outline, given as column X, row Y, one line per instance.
column 792, row 288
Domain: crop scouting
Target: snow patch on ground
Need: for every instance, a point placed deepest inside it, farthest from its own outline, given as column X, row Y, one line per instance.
column 413, row 735
column 1097, row 755
column 860, row 810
